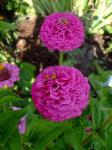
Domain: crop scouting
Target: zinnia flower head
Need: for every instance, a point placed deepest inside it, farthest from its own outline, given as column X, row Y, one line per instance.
column 62, row 31
column 8, row 75
column 60, row 93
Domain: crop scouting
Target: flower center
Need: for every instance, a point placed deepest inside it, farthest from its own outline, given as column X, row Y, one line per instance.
column 54, row 85
column 64, row 21
column 53, row 76
column 4, row 73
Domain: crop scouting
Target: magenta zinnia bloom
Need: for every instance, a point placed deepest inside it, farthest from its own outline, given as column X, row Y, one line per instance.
column 60, row 93
column 62, row 31
column 9, row 74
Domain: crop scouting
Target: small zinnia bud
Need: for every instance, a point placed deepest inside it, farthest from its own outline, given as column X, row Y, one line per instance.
column 8, row 75
column 22, row 122
column 62, row 31
column 60, row 93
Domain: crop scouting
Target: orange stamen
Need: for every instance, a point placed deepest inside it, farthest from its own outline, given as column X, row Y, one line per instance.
column 53, row 76
column 1, row 67
column 46, row 76
column 64, row 21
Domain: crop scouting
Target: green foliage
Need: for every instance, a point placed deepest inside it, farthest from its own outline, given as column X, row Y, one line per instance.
column 18, row 6
column 26, row 76
column 74, row 137
column 97, row 115
column 14, row 142
column 91, row 14
column 6, row 26
column 44, row 7
column 8, row 123
column 108, row 28
column 109, row 48
column 108, row 139
column 101, row 19
column 41, row 132
column 80, row 7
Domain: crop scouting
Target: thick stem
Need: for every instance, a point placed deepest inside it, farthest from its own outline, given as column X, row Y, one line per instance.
column 61, row 58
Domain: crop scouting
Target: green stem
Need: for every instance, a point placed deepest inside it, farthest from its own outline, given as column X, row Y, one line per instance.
column 88, row 139
column 61, row 58
column 107, row 122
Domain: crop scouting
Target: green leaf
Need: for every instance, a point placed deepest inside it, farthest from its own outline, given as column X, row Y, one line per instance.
column 44, row 7
column 7, row 99
column 97, row 114
column 108, row 140
column 6, row 92
column 50, row 136
column 101, row 80
column 95, row 81
column 55, row 5
column 14, row 142
column 26, row 76
column 105, row 95
column 108, row 29
column 85, row 4
column 27, row 71
column 42, row 132
column 58, row 144
column 74, row 137
column 6, row 26
column 8, row 122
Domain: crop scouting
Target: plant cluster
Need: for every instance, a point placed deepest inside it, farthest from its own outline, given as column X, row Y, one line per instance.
column 59, row 108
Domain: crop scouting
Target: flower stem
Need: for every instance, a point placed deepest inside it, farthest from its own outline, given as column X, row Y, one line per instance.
column 61, row 58
column 107, row 122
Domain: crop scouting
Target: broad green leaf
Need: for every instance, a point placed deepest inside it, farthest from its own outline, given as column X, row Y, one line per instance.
column 85, row 4
column 26, row 76
column 95, row 81
column 6, row 92
column 58, row 144
column 74, row 137
column 14, row 142
column 101, row 80
column 108, row 140
column 27, row 71
column 8, row 123
column 97, row 114
column 6, row 26
column 38, row 127
column 97, row 143
column 51, row 135
column 7, row 99
column 105, row 95
column 42, row 132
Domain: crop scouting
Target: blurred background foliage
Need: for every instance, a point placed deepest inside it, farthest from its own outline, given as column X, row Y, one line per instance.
column 20, row 21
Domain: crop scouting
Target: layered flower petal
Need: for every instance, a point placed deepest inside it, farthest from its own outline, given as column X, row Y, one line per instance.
column 56, row 101
column 62, row 31
column 9, row 74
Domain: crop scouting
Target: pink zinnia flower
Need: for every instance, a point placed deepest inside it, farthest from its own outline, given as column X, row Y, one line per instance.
column 9, row 74
column 60, row 93
column 62, row 31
